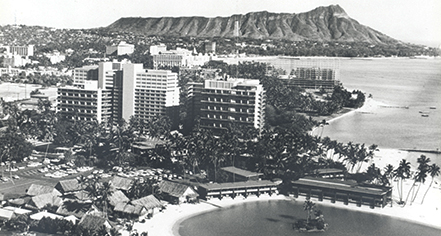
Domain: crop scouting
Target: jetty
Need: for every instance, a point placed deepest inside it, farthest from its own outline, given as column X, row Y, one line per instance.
column 436, row 151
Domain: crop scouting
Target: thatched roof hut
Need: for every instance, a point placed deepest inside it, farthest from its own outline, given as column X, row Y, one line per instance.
column 118, row 197
column 37, row 189
column 148, row 202
column 42, row 200
column 69, row 185
column 130, row 209
column 121, row 183
column 94, row 223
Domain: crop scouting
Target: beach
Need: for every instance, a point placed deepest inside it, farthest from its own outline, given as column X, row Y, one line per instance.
column 428, row 213
column 167, row 223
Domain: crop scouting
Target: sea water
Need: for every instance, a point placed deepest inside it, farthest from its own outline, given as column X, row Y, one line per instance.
column 276, row 218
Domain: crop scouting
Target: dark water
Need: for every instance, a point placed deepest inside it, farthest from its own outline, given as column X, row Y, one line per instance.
column 276, row 218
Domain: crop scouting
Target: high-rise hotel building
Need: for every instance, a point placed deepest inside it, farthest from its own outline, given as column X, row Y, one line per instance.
column 111, row 91
column 221, row 102
column 148, row 93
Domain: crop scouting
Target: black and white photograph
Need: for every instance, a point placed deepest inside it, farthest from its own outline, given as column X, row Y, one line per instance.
column 220, row 118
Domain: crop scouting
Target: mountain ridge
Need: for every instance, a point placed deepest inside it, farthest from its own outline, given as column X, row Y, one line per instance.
column 329, row 23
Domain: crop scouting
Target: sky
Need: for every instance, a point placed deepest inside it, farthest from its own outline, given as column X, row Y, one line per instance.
column 413, row 21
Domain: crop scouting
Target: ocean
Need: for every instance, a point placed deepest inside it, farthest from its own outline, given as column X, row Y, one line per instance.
column 277, row 217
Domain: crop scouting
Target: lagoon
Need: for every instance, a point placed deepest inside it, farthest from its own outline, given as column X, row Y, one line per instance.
column 276, row 218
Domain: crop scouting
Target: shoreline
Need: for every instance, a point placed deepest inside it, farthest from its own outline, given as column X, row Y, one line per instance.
column 168, row 222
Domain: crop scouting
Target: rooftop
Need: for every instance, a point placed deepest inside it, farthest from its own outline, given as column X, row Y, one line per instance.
column 241, row 172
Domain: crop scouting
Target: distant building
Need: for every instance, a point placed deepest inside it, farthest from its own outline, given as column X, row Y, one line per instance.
column 157, row 49
column 55, row 57
column 210, row 47
column 122, row 48
column 24, row 51
column 311, row 73
column 218, row 103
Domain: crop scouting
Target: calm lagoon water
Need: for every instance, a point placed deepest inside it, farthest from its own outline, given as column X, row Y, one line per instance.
column 276, row 218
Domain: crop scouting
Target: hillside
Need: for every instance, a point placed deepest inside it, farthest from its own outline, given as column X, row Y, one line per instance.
column 321, row 24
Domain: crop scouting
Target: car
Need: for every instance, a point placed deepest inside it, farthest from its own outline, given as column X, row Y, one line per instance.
column 5, row 179
column 16, row 177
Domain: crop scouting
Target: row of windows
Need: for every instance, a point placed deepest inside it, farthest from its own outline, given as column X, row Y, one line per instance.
column 78, row 103
column 225, row 117
column 214, row 99
column 79, row 110
column 231, row 109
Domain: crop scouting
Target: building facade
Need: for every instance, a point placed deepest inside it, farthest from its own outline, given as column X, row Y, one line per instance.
column 122, row 48
column 148, row 93
column 24, row 51
column 115, row 90
column 219, row 103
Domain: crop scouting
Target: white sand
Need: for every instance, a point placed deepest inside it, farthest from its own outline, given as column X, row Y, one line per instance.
column 429, row 213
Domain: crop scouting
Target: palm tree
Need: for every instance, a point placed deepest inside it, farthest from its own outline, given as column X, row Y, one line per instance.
column 309, row 207
column 389, row 173
column 420, row 176
column 434, row 170
column 402, row 172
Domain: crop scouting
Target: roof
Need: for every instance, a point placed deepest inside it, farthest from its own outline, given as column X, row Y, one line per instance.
column 345, row 186
column 6, row 214
column 18, row 211
column 121, row 183
column 19, row 201
column 92, row 222
column 72, row 219
column 118, row 197
column 69, row 185
column 40, row 215
column 129, row 208
column 238, row 185
column 49, row 198
column 241, row 172
column 75, row 208
column 148, row 202
column 37, row 189
column 148, row 143
column 174, row 189
column 328, row 171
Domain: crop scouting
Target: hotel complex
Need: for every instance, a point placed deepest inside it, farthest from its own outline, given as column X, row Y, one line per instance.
column 115, row 90
column 218, row 103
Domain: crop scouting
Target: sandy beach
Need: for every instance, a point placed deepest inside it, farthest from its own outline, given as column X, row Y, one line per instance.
column 167, row 223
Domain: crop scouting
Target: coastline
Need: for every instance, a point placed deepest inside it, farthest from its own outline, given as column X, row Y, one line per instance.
column 168, row 222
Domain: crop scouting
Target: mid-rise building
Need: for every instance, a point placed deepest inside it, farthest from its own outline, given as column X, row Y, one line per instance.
column 111, row 91
column 221, row 102
column 24, row 51
column 148, row 93
column 122, row 48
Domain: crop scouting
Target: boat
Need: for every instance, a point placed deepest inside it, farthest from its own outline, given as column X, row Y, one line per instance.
column 432, row 107
column 425, row 115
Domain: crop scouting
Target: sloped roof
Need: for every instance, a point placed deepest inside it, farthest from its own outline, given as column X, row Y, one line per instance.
column 49, row 198
column 72, row 219
column 40, row 215
column 121, row 183
column 19, row 201
column 18, row 211
column 174, row 189
column 92, row 222
column 148, row 202
column 37, row 189
column 129, row 208
column 118, row 197
column 6, row 214
column 75, row 208
column 240, row 172
column 69, row 185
